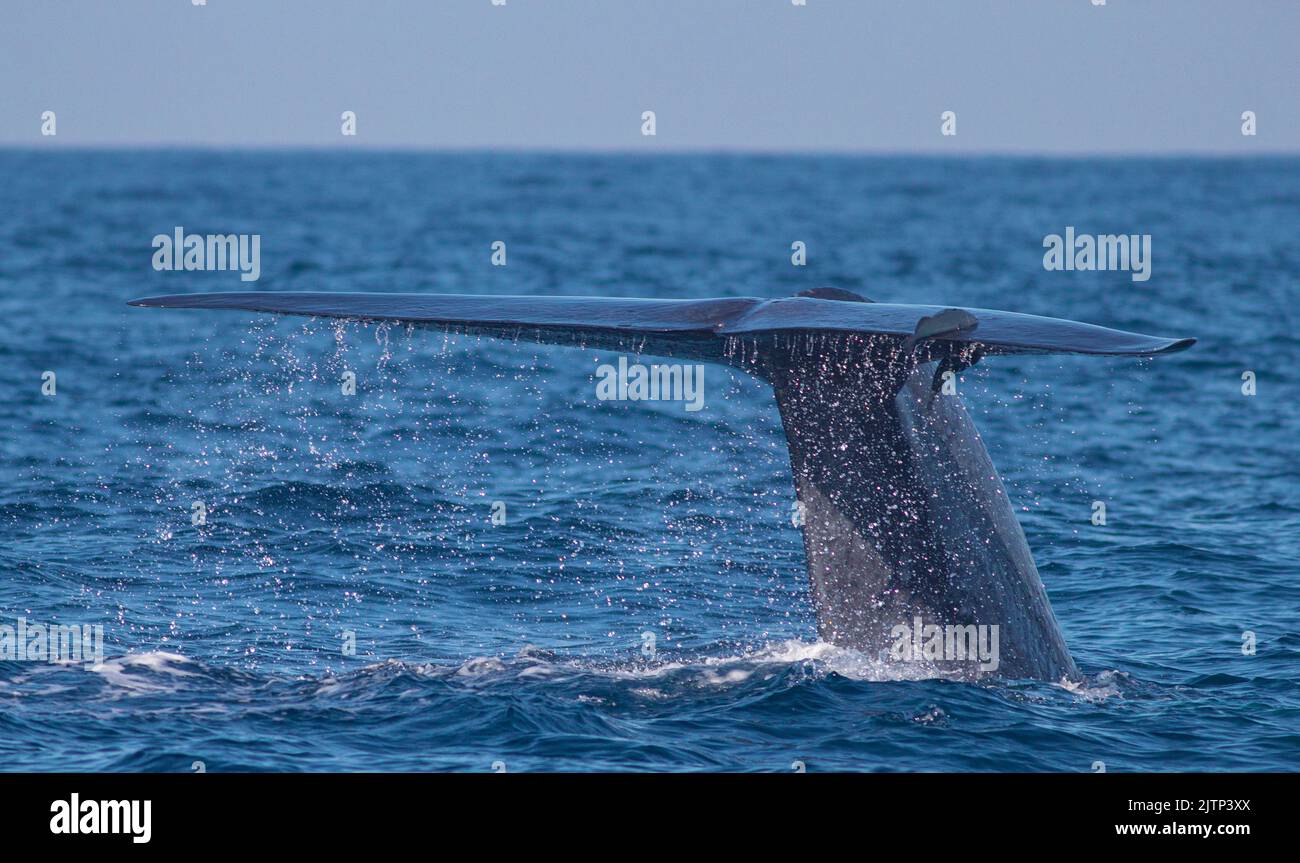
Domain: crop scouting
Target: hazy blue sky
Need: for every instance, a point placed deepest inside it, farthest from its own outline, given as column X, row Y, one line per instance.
column 844, row 75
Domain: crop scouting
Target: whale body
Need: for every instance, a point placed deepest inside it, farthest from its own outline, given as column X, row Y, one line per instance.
column 909, row 536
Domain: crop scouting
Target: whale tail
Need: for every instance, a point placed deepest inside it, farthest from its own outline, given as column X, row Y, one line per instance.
column 913, row 550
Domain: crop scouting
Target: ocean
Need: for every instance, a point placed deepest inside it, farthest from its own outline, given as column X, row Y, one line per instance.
column 473, row 563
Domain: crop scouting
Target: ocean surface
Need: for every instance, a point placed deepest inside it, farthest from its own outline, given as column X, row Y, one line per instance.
column 348, row 603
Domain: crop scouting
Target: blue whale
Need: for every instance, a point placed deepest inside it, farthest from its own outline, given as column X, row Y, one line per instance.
column 913, row 550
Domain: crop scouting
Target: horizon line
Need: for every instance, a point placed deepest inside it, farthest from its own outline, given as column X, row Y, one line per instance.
column 644, row 150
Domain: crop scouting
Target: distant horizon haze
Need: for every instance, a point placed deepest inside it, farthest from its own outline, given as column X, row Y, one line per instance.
column 1065, row 78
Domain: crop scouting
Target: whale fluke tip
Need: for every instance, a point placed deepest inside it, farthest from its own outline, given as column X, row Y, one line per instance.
column 1177, row 345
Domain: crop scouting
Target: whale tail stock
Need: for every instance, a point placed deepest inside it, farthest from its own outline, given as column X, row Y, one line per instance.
column 913, row 550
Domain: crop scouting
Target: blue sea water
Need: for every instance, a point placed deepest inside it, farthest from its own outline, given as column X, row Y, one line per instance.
column 523, row 644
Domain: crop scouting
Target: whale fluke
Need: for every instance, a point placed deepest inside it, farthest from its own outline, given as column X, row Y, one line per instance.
column 907, row 528
column 565, row 319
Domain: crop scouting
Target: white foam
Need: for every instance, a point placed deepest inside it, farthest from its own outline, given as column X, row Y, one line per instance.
column 116, row 671
column 1105, row 685
column 736, row 668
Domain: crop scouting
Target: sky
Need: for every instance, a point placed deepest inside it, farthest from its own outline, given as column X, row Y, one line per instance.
column 1020, row 76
